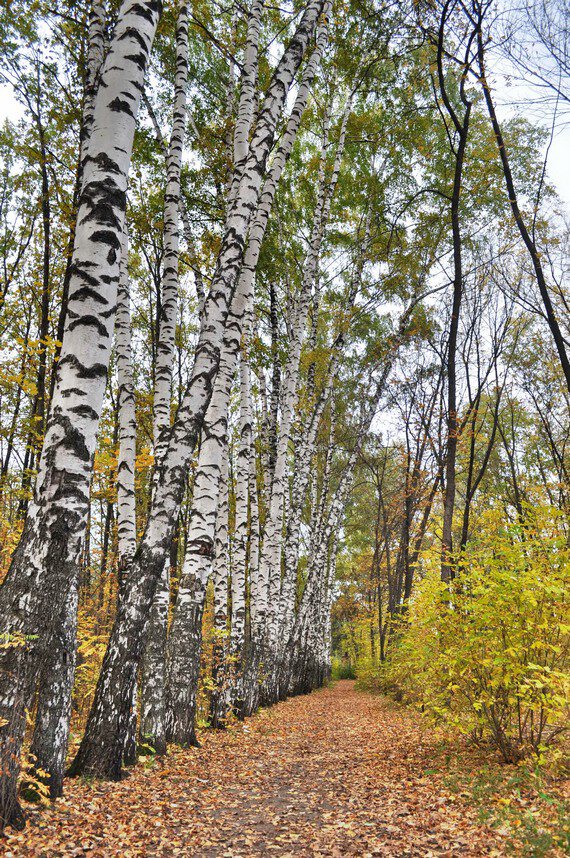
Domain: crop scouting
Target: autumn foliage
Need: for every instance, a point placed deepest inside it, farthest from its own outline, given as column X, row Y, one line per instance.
column 488, row 653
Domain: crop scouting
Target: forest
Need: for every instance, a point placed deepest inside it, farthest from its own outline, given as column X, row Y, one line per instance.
column 284, row 428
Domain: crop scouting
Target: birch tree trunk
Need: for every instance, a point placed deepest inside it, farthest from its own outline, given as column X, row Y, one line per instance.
column 273, row 531
column 291, row 550
column 53, row 706
column 300, row 667
column 186, row 225
column 126, row 511
column 247, row 98
column 239, row 558
column 126, row 504
column 183, row 669
column 306, row 448
column 185, row 640
column 307, row 444
column 219, row 700
column 95, row 56
column 44, row 568
column 259, row 595
column 250, row 666
column 208, row 522
column 94, row 63
column 244, row 120
column 48, row 748
column 153, row 712
column 169, row 284
column 153, row 705
column 273, row 413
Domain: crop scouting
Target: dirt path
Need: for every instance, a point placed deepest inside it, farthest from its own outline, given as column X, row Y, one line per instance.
column 334, row 773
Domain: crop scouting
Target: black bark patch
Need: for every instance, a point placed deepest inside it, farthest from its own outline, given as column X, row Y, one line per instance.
column 148, row 11
column 86, row 293
column 119, row 105
column 98, row 370
column 103, row 212
column 104, row 162
column 72, row 440
column 85, row 411
column 132, row 33
column 138, row 59
column 203, row 548
column 92, row 322
column 77, row 270
column 106, row 236
column 73, row 391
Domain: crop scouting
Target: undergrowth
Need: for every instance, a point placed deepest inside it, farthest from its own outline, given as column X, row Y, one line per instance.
column 526, row 805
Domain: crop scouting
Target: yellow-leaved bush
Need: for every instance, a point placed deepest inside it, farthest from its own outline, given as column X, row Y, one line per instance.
column 489, row 653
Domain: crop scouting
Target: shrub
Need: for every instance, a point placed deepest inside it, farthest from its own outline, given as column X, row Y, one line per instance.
column 341, row 669
column 489, row 653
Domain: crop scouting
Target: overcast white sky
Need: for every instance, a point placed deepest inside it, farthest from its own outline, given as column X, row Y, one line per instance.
column 523, row 99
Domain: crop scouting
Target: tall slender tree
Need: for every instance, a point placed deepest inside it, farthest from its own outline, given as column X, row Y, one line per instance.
column 45, row 564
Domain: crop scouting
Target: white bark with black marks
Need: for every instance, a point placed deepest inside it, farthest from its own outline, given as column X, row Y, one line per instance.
column 259, row 597
column 45, row 565
column 153, row 712
column 240, row 542
column 299, row 670
column 273, row 532
column 300, row 485
column 219, row 701
column 93, row 66
column 184, row 644
column 306, row 448
column 247, row 97
column 100, row 750
column 186, row 225
column 126, row 514
column 53, row 705
column 169, row 283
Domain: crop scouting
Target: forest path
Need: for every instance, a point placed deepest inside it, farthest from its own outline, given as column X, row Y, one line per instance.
column 333, row 773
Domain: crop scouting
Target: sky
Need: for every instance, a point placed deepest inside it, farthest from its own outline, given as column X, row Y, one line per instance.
column 559, row 164
column 521, row 99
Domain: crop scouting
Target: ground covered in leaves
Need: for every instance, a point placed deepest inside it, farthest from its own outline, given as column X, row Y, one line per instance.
column 334, row 773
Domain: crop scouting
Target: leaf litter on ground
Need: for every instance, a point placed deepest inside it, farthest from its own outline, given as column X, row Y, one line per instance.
column 334, row 773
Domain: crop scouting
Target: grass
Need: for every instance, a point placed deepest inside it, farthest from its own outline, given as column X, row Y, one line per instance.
column 526, row 804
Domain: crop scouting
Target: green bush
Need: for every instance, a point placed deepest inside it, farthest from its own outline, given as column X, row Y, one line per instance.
column 341, row 669
column 489, row 653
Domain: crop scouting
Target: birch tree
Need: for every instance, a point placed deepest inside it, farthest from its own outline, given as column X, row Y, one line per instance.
column 272, row 539
column 45, row 565
column 243, row 497
column 53, row 705
column 126, row 505
column 153, row 714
